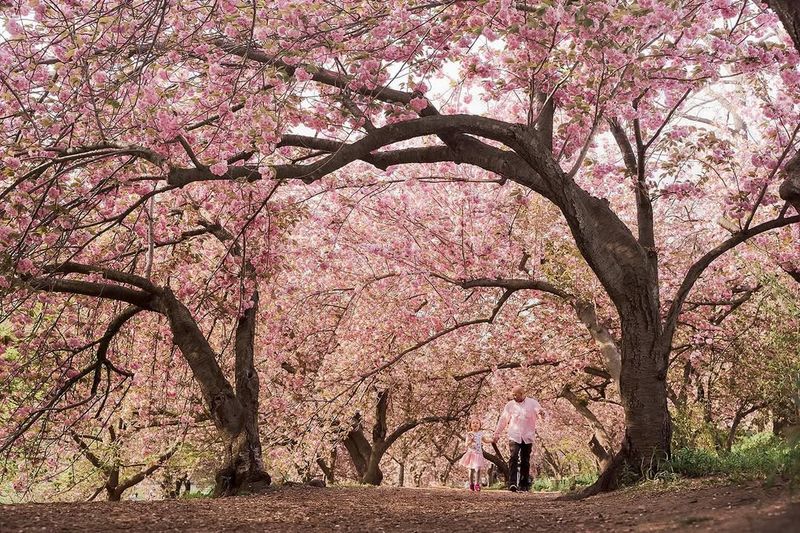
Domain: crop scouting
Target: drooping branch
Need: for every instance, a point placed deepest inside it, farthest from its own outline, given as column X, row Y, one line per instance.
column 446, row 331
column 503, row 132
column 89, row 454
column 408, row 425
column 794, row 273
column 512, row 284
column 318, row 74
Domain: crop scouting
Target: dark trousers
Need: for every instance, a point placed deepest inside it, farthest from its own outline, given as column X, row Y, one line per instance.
column 519, row 464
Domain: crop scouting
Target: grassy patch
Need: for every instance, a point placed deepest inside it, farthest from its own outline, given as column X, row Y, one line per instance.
column 199, row 495
column 547, row 484
column 761, row 456
column 569, row 483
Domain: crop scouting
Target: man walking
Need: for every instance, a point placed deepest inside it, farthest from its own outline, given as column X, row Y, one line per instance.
column 519, row 416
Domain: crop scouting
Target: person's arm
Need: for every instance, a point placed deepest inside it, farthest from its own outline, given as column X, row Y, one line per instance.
column 541, row 411
column 501, row 423
column 467, row 441
column 485, row 437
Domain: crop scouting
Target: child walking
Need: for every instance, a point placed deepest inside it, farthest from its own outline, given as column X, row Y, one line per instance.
column 473, row 458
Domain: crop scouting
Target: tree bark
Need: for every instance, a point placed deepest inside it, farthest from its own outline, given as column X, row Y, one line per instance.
column 244, row 457
column 498, row 461
column 373, row 475
column 367, row 457
column 643, row 389
column 329, row 471
column 235, row 414
column 785, row 418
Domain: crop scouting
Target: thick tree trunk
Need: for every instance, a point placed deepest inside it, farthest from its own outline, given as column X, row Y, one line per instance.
column 225, row 408
column 112, row 485
column 358, row 448
column 234, row 414
column 643, row 389
column 644, row 397
column 373, row 474
column 244, row 462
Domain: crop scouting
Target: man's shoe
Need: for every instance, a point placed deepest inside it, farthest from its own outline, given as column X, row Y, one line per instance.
column 472, row 487
column 512, row 488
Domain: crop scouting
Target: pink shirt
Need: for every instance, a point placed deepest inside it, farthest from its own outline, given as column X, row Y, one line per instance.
column 520, row 418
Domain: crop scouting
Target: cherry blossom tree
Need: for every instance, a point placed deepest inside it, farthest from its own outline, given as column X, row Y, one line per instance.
column 120, row 128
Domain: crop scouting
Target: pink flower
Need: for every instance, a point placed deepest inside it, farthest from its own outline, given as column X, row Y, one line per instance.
column 25, row 266
column 302, row 74
column 219, row 168
column 418, row 104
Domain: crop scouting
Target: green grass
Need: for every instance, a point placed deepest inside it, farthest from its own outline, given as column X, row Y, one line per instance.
column 199, row 495
column 760, row 456
column 546, row 484
column 569, row 483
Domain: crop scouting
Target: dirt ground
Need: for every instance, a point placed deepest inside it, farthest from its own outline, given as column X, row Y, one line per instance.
column 694, row 506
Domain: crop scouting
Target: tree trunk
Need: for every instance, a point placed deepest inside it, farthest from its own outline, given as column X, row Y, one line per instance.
column 329, row 471
column 358, row 448
column 112, row 485
column 373, row 475
column 498, row 461
column 418, row 477
column 785, row 418
column 245, row 463
column 235, row 416
column 225, row 408
column 603, row 455
column 643, row 389
column 401, row 477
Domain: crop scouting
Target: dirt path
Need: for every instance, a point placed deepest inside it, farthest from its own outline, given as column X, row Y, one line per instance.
column 694, row 507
